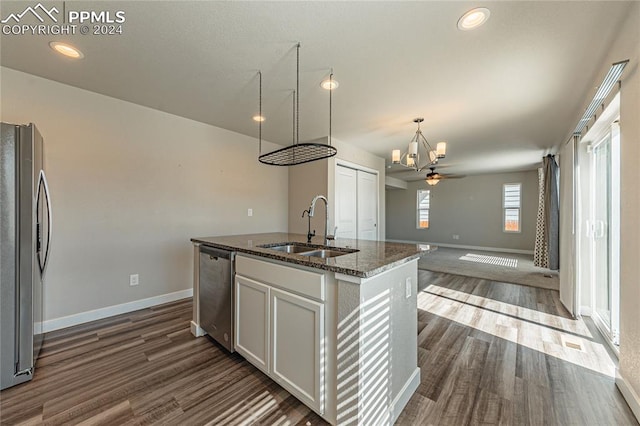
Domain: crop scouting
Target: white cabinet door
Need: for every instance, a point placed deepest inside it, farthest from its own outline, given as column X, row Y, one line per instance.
column 346, row 204
column 252, row 321
column 297, row 330
column 367, row 206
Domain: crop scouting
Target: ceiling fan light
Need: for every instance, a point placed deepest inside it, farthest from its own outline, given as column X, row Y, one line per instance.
column 441, row 149
column 432, row 182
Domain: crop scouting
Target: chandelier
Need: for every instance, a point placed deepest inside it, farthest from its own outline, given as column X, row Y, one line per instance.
column 412, row 158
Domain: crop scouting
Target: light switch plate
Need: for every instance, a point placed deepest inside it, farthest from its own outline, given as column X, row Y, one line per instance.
column 249, row 212
column 134, row 279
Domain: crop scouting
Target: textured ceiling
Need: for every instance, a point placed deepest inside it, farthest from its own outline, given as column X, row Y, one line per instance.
column 500, row 95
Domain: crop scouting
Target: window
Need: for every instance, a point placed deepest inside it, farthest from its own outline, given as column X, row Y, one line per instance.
column 511, row 207
column 422, row 217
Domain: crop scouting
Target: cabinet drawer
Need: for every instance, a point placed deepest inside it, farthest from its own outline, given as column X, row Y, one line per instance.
column 295, row 280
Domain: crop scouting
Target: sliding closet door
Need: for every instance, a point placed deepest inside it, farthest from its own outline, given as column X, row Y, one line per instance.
column 356, row 195
column 346, row 202
column 367, row 206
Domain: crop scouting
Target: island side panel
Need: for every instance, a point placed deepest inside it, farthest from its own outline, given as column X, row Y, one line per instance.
column 377, row 345
column 195, row 321
column 348, row 352
column 405, row 373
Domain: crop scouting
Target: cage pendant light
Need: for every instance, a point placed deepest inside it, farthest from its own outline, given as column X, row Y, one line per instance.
column 297, row 153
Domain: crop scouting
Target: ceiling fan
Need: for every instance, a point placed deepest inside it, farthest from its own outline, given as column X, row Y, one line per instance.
column 434, row 177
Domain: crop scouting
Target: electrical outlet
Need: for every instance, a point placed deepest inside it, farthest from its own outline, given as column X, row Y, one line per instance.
column 249, row 212
column 407, row 288
column 456, row 236
column 134, row 279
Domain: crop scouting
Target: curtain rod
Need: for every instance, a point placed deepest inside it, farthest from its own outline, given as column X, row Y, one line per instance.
column 602, row 94
column 594, row 117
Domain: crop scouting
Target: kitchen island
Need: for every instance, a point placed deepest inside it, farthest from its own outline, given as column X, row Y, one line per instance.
column 338, row 332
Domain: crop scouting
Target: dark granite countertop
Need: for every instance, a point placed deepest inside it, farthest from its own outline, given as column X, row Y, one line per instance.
column 372, row 257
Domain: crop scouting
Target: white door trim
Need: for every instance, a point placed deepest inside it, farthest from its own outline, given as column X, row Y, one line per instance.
column 345, row 163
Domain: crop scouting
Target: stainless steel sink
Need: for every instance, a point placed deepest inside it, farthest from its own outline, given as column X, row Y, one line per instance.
column 324, row 253
column 291, row 248
column 309, row 250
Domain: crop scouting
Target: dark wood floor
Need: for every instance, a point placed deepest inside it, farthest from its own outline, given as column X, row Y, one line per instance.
column 495, row 353
column 145, row 367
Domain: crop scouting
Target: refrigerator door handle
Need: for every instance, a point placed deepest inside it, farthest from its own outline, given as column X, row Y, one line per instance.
column 43, row 181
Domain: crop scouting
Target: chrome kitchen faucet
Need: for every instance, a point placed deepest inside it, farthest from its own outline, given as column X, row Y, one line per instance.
column 326, row 218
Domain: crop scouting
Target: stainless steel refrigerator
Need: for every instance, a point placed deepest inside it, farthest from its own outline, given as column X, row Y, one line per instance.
column 25, row 239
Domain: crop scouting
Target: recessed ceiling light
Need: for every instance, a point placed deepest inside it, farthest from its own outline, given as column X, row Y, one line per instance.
column 329, row 84
column 66, row 50
column 473, row 18
column 258, row 118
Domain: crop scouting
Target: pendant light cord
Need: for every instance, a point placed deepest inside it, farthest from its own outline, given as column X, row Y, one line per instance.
column 293, row 121
column 298, row 93
column 260, row 113
column 330, row 99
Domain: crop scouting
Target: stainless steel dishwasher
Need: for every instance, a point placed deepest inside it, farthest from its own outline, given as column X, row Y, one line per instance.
column 216, row 294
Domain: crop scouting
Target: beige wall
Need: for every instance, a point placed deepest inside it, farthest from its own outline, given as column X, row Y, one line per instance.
column 130, row 185
column 470, row 207
column 628, row 46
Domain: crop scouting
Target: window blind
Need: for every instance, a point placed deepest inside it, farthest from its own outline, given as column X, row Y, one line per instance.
column 511, row 202
column 424, row 201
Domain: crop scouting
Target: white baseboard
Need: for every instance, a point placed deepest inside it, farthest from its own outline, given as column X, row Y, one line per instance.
column 401, row 400
column 457, row 246
column 585, row 311
column 629, row 394
column 196, row 330
column 109, row 311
